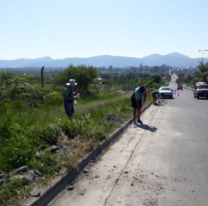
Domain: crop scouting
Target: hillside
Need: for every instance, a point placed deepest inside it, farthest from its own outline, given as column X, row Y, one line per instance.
column 172, row 59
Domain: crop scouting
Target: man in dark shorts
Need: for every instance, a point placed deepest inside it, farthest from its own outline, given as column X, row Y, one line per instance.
column 138, row 97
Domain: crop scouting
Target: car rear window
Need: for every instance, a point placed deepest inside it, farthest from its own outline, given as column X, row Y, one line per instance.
column 203, row 87
column 165, row 88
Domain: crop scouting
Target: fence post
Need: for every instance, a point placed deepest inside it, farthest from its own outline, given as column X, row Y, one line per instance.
column 42, row 77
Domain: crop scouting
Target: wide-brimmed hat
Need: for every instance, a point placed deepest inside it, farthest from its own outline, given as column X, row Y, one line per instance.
column 72, row 82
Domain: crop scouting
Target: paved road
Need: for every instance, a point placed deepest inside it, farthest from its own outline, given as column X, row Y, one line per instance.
column 165, row 163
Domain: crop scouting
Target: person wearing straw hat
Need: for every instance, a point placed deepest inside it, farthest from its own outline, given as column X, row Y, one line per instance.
column 69, row 94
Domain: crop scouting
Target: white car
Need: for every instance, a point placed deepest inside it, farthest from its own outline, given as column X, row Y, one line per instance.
column 165, row 92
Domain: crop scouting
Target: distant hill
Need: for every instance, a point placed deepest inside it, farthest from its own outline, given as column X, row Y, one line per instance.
column 172, row 59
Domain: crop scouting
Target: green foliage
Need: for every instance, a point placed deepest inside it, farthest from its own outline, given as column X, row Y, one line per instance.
column 201, row 74
column 96, row 134
column 51, row 133
column 4, row 128
column 54, row 98
column 9, row 127
column 45, row 162
column 154, row 82
column 185, row 76
column 74, row 127
column 95, row 126
column 6, row 78
column 17, row 152
column 18, row 87
column 130, row 79
column 82, row 74
column 44, row 135
column 10, row 190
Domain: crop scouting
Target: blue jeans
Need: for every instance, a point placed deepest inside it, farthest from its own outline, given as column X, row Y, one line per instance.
column 69, row 108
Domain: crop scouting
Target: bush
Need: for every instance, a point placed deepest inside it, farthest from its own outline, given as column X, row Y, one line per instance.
column 51, row 133
column 45, row 135
column 10, row 190
column 72, row 127
column 18, row 87
column 96, row 134
column 17, row 152
column 54, row 98
column 45, row 162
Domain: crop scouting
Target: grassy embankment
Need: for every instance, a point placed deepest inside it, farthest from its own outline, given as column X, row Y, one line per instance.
column 31, row 131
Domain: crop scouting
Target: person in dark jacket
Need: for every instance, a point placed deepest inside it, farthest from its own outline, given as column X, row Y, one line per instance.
column 69, row 95
column 155, row 97
column 138, row 97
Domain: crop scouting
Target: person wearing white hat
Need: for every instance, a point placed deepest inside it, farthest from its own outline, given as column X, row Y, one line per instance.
column 69, row 97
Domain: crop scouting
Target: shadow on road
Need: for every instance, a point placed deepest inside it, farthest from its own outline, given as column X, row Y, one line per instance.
column 148, row 128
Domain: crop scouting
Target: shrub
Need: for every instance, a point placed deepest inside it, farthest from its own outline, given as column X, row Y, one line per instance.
column 17, row 152
column 71, row 127
column 45, row 162
column 54, row 98
column 96, row 133
column 10, row 190
column 45, row 135
column 51, row 133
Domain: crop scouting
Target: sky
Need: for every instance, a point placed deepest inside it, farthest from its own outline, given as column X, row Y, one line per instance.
column 85, row 28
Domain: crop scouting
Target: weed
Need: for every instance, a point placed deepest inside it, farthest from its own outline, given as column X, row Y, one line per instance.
column 17, row 152
column 10, row 191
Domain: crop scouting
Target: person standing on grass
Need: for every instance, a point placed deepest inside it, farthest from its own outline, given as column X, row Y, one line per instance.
column 69, row 95
column 138, row 97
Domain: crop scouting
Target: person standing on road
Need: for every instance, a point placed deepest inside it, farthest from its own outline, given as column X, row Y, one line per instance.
column 69, row 94
column 138, row 97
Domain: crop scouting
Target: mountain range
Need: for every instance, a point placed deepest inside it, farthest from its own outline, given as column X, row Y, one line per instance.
column 173, row 59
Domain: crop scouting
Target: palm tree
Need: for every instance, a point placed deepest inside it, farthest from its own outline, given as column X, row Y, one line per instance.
column 201, row 74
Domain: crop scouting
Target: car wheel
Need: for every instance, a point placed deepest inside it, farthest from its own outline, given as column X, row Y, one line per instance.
column 197, row 96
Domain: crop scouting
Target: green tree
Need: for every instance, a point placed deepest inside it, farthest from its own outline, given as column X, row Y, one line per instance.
column 6, row 78
column 82, row 74
column 201, row 74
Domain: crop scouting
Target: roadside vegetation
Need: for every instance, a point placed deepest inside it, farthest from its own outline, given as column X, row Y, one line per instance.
column 35, row 132
column 190, row 76
column 201, row 74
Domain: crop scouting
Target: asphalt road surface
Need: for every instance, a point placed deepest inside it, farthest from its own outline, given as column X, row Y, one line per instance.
column 163, row 163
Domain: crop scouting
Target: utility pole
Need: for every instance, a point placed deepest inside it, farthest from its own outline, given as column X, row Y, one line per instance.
column 203, row 51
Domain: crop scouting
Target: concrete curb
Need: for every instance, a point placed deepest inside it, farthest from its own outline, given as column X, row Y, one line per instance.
column 68, row 179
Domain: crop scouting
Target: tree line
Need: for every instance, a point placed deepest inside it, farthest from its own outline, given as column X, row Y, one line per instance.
column 191, row 76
